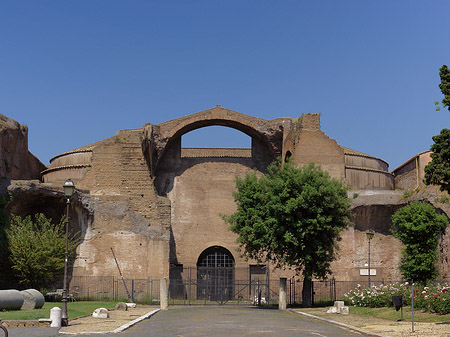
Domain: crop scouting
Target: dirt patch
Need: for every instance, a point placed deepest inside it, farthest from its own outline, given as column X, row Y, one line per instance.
column 116, row 319
column 384, row 327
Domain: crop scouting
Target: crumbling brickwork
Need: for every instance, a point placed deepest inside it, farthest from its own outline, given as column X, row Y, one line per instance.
column 16, row 162
column 157, row 204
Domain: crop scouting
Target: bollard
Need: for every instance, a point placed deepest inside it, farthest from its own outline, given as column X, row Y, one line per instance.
column 164, row 294
column 282, row 297
column 55, row 316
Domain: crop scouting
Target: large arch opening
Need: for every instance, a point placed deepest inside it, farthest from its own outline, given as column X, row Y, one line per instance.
column 266, row 136
column 216, row 143
column 216, row 136
column 215, row 274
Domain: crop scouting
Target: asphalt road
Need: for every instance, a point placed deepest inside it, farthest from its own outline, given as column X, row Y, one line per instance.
column 215, row 321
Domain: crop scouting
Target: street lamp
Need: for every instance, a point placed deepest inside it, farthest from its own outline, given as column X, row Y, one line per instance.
column 370, row 233
column 69, row 187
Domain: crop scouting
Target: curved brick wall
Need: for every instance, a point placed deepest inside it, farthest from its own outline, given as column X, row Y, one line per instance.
column 364, row 172
column 72, row 164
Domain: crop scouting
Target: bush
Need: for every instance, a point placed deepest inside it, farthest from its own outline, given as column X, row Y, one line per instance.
column 37, row 250
column 435, row 299
column 375, row 297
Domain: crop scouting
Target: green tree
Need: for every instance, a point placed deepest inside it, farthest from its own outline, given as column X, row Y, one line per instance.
column 437, row 171
column 291, row 217
column 418, row 226
column 444, row 73
column 37, row 250
column 4, row 221
column 4, row 251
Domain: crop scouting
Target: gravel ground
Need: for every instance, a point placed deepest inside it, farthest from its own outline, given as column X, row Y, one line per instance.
column 236, row 321
column 384, row 327
column 116, row 319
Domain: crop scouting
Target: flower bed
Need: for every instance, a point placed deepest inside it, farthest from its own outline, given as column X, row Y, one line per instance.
column 434, row 299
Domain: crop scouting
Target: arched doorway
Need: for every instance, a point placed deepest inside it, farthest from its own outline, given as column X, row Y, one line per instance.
column 215, row 274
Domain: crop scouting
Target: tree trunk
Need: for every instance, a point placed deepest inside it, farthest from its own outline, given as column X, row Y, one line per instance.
column 307, row 292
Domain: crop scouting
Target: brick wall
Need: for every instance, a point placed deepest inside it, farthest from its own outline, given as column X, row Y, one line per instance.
column 129, row 216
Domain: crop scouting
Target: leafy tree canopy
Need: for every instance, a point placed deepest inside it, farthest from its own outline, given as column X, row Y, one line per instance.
column 37, row 250
column 444, row 73
column 437, row 172
column 4, row 221
column 291, row 217
column 418, row 226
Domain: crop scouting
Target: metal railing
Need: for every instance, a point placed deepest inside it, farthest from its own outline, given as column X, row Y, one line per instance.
column 219, row 288
column 193, row 291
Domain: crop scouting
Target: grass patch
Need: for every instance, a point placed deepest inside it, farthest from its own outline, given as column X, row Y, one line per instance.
column 388, row 314
column 75, row 309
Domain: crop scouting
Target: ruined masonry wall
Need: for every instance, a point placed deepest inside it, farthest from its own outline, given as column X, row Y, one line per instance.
column 16, row 162
column 129, row 216
column 310, row 144
column 316, row 147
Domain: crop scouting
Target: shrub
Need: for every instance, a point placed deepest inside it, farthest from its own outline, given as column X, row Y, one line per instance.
column 434, row 299
column 37, row 250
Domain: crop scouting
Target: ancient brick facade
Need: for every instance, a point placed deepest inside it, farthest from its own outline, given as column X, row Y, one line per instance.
column 160, row 205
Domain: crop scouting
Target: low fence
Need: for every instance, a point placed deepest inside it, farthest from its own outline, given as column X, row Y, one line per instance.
column 203, row 292
column 114, row 288
column 213, row 289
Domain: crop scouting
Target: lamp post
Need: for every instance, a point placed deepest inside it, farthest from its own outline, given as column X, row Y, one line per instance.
column 370, row 233
column 69, row 187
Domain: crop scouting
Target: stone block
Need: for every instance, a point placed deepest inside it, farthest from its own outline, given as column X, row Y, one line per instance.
column 100, row 313
column 332, row 310
column 10, row 299
column 121, row 306
column 32, row 299
column 339, row 305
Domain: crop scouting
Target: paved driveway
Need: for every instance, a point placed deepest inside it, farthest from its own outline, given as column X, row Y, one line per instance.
column 232, row 321
column 215, row 321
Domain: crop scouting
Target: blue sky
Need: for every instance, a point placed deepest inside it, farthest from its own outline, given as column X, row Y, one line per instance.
column 78, row 71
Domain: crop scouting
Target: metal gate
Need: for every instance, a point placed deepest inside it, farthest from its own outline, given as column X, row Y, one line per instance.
column 215, row 274
column 215, row 284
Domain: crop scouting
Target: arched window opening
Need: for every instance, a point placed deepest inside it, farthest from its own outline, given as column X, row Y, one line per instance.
column 215, row 274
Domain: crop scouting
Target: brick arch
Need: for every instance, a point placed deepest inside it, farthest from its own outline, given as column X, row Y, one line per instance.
column 199, row 120
column 268, row 132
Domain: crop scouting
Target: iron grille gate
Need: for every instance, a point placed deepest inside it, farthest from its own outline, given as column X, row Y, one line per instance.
column 220, row 290
column 215, row 284
column 215, row 274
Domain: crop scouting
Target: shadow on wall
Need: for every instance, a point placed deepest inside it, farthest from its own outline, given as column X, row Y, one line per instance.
column 375, row 217
column 53, row 206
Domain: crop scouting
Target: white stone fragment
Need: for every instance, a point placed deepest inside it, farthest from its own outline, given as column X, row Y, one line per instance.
column 332, row 310
column 100, row 313
column 339, row 305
